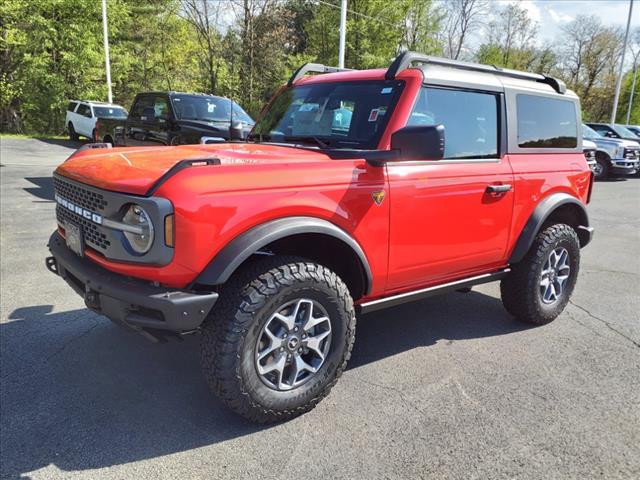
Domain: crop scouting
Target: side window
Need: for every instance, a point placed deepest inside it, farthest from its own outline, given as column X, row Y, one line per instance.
column 470, row 120
column 160, row 106
column 545, row 122
column 605, row 131
column 140, row 104
column 84, row 110
column 72, row 106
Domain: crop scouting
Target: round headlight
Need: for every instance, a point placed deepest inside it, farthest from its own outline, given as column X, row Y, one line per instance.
column 142, row 239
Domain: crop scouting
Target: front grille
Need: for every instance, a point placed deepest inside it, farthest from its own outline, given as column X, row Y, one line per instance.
column 90, row 231
column 93, row 201
column 90, row 207
column 90, row 200
column 632, row 153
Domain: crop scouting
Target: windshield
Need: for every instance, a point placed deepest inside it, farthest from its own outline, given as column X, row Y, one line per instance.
column 589, row 132
column 337, row 115
column 110, row 112
column 624, row 132
column 209, row 109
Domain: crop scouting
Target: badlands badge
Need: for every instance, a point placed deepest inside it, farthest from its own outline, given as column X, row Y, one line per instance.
column 378, row 196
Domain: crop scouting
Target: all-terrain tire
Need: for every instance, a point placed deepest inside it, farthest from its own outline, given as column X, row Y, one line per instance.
column 73, row 135
column 521, row 289
column 230, row 336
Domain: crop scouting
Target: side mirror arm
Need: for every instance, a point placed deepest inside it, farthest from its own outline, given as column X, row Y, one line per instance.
column 378, row 158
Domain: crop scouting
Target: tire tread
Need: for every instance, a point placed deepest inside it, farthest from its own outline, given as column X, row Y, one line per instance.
column 224, row 332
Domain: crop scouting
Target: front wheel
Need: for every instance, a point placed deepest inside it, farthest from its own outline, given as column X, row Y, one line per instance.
column 279, row 338
column 539, row 287
column 601, row 168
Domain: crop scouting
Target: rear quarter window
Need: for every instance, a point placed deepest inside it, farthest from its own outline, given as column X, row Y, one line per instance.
column 72, row 106
column 545, row 122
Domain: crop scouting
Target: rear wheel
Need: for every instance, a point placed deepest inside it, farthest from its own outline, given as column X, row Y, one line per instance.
column 279, row 338
column 108, row 140
column 539, row 287
column 72, row 132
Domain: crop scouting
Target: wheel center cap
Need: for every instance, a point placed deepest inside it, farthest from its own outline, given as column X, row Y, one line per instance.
column 293, row 343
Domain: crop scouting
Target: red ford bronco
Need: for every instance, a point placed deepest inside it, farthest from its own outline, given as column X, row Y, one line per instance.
column 355, row 191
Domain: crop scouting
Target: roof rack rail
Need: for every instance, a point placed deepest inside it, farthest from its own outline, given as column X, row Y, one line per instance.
column 405, row 59
column 313, row 68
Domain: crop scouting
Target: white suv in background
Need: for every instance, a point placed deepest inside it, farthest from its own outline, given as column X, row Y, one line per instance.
column 82, row 117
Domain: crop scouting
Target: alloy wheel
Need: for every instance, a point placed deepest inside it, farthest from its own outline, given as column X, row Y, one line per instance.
column 293, row 344
column 554, row 276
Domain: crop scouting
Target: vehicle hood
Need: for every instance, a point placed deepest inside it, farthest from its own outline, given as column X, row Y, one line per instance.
column 615, row 142
column 136, row 170
column 216, row 126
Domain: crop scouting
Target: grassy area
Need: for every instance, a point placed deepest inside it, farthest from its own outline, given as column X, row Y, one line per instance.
column 37, row 136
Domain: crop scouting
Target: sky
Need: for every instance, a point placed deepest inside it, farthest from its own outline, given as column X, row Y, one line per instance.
column 552, row 14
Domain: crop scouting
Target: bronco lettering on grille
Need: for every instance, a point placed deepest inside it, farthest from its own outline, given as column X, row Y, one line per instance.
column 83, row 212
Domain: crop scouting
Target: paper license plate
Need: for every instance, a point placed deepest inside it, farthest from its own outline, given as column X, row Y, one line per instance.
column 73, row 234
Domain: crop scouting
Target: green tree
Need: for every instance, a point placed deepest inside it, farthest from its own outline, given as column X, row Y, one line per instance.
column 53, row 54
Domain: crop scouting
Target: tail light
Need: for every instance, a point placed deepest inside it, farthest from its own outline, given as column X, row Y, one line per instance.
column 95, row 131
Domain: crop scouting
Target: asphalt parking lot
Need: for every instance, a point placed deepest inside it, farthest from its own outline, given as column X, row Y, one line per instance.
column 450, row 387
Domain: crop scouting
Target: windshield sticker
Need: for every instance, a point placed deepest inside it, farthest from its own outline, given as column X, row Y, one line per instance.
column 373, row 116
column 386, row 90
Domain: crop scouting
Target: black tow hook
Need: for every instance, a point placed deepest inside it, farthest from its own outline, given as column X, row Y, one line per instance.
column 52, row 265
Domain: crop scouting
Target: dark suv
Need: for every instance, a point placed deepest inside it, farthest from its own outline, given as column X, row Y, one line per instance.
column 173, row 118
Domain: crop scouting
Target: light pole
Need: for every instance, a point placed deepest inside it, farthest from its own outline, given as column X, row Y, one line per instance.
column 619, row 81
column 343, row 32
column 106, row 47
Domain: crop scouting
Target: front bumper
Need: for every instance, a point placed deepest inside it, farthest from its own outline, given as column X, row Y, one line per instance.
column 624, row 166
column 130, row 302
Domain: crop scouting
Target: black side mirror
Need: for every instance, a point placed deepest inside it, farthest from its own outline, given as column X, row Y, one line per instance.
column 420, row 142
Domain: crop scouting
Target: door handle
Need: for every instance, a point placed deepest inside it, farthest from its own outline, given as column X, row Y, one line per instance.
column 498, row 189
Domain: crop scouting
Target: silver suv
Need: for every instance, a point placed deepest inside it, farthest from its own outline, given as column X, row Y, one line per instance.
column 614, row 156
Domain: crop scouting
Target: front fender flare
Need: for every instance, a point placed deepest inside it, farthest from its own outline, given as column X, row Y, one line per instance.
column 540, row 215
column 222, row 266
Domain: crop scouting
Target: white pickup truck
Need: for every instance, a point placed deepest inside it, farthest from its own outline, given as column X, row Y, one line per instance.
column 82, row 117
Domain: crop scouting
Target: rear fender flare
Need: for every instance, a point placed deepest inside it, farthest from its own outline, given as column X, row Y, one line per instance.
column 227, row 261
column 540, row 215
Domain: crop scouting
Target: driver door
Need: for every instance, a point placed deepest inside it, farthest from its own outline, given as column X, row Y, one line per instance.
column 445, row 222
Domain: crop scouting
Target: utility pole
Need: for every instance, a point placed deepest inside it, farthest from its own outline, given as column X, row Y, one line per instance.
column 619, row 81
column 106, row 47
column 343, row 32
column 633, row 87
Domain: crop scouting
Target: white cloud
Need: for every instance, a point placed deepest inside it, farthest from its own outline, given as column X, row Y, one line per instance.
column 559, row 17
column 532, row 9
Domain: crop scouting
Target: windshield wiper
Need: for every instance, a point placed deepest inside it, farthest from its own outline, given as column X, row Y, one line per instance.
column 307, row 139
